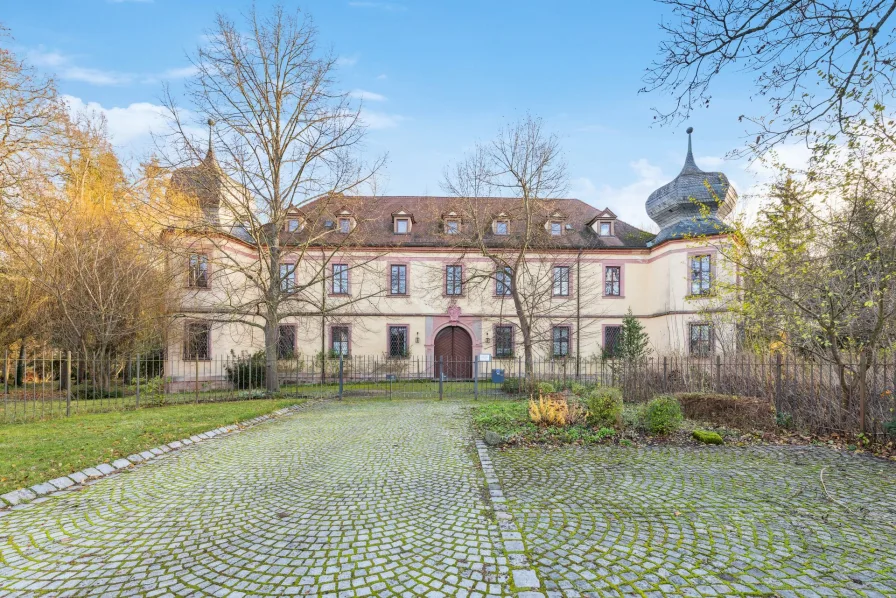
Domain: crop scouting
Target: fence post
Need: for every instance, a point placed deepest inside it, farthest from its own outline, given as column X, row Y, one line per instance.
column 863, row 391
column 476, row 377
column 68, row 384
column 718, row 373
column 665, row 374
column 340, row 374
column 778, row 382
column 196, row 384
column 137, row 402
column 5, row 381
column 441, row 376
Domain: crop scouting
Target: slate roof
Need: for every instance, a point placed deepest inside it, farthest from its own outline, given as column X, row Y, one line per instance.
column 374, row 216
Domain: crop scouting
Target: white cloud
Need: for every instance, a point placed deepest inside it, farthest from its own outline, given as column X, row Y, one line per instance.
column 627, row 201
column 385, row 6
column 381, row 120
column 367, row 96
column 347, row 60
column 382, row 77
column 66, row 68
column 129, row 125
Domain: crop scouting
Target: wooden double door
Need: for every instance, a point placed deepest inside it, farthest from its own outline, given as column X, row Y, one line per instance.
column 454, row 347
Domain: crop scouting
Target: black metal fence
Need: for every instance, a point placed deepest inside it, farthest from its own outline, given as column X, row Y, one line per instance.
column 810, row 395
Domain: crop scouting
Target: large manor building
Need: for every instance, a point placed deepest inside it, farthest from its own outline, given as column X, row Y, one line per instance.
column 432, row 277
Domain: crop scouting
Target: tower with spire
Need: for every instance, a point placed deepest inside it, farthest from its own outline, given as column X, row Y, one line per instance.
column 694, row 204
column 207, row 184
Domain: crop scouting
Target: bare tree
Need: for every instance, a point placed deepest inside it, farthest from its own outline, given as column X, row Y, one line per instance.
column 282, row 149
column 510, row 182
column 823, row 67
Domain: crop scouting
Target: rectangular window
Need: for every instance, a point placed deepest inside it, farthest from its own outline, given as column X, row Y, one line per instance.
column 345, row 225
column 398, row 279
column 701, row 340
column 503, row 341
column 197, row 341
column 402, row 226
column 452, row 227
column 611, row 340
column 701, row 274
column 501, row 227
column 286, row 341
column 198, row 271
column 287, row 278
column 556, row 229
column 339, row 342
column 454, row 280
column 340, row 279
column 605, row 229
column 398, row 341
column 504, row 282
column 612, row 280
column 292, row 225
column 560, row 336
column 561, row 281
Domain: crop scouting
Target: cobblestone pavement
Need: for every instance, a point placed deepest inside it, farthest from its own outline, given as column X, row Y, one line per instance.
column 343, row 500
column 610, row 521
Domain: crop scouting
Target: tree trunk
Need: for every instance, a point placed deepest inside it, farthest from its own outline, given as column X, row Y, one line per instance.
column 271, row 334
column 20, row 365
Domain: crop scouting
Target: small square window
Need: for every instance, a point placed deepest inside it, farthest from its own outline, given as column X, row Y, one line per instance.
column 452, row 227
column 556, row 229
column 345, row 225
column 501, row 227
column 402, row 226
column 606, row 229
column 292, row 225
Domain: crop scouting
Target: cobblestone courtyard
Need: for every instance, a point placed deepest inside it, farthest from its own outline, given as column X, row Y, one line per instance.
column 387, row 498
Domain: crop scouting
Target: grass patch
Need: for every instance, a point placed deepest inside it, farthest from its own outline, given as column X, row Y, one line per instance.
column 31, row 453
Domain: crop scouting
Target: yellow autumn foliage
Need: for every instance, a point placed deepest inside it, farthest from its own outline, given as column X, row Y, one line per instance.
column 555, row 410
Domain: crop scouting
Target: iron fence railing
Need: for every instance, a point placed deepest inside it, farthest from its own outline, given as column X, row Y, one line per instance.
column 814, row 396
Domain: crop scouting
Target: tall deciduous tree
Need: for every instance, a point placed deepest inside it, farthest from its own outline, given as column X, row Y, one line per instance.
column 510, row 181
column 823, row 67
column 284, row 146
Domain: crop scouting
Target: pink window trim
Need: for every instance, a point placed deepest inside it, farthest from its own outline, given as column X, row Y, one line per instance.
column 712, row 253
column 603, row 334
column 407, row 327
column 603, row 268
column 348, row 277
column 570, row 352
column 463, row 287
column 208, row 271
column 570, row 285
column 495, row 288
column 330, row 343
column 407, row 279
column 495, row 339
column 187, row 324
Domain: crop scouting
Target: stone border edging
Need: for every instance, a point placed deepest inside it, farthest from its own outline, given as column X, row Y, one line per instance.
column 18, row 499
column 523, row 575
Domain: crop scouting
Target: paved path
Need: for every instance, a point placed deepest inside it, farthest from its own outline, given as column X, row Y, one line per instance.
column 609, row 521
column 342, row 500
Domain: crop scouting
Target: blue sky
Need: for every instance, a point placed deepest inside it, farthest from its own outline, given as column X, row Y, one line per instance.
column 437, row 76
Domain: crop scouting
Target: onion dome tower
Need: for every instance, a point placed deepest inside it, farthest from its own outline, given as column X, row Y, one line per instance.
column 204, row 182
column 692, row 205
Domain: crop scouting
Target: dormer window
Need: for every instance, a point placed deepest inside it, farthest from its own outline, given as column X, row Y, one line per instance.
column 556, row 228
column 606, row 229
column 603, row 223
column 502, row 227
column 402, row 226
column 293, row 225
column 452, row 226
column 345, row 225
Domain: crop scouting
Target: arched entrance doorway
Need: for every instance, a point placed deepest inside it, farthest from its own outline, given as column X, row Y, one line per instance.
column 454, row 345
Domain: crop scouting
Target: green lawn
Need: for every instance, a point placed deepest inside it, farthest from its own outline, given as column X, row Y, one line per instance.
column 35, row 452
